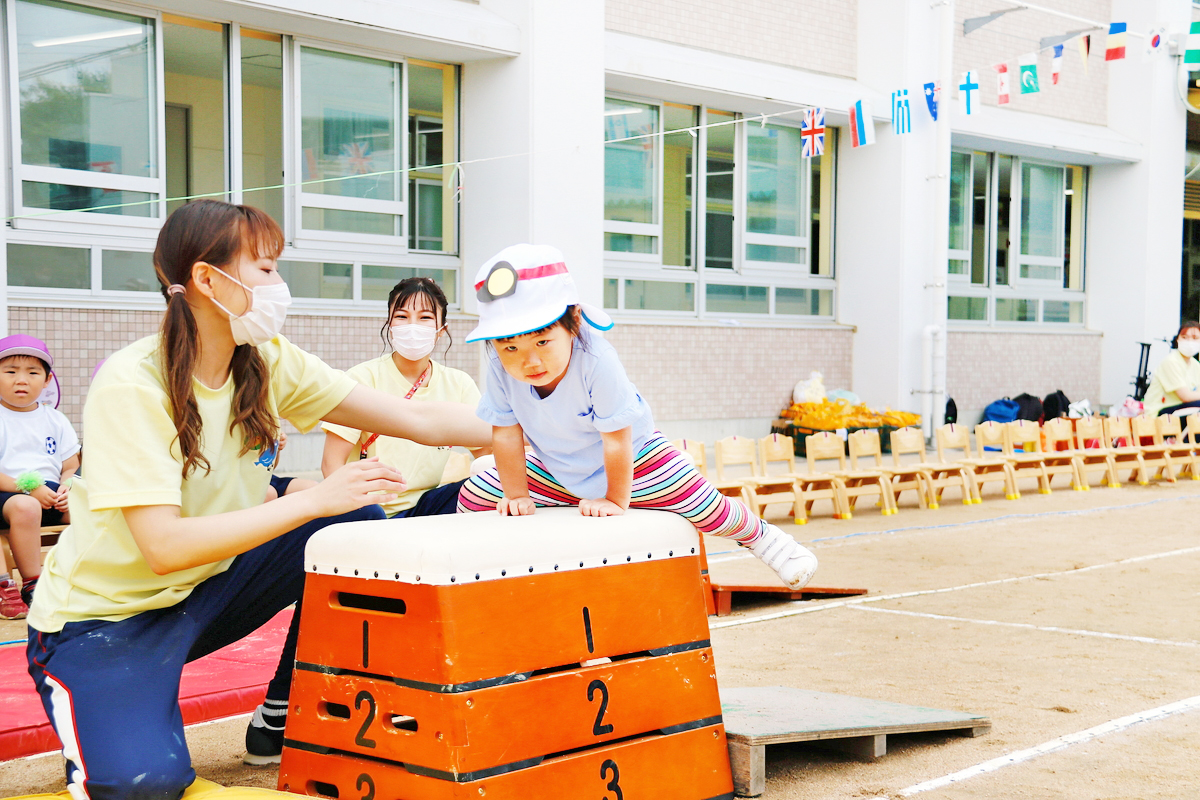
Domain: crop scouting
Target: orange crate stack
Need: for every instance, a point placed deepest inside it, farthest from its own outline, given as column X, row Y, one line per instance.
column 533, row 657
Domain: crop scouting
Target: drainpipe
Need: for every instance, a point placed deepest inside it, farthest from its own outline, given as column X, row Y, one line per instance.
column 933, row 365
column 934, row 390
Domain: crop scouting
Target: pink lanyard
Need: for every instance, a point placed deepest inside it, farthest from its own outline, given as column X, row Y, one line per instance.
column 371, row 439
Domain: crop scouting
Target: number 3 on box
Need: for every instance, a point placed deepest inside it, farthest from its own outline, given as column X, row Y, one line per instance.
column 616, row 776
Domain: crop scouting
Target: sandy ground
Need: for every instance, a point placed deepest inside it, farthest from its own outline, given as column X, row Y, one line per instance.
column 1050, row 615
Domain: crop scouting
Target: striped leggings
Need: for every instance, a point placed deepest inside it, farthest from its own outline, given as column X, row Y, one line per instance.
column 663, row 479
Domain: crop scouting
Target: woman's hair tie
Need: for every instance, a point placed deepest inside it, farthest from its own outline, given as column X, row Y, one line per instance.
column 175, row 288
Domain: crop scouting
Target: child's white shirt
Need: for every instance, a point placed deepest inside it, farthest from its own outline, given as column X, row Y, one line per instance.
column 36, row 441
column 564, row 428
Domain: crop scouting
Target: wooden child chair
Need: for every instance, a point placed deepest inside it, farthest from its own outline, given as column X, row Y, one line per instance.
column 1064, row 461
column 777, row 471
column 914, row 475
column 1170, row 433
column 869, row 478
column 816, row 484
column 1155, row 453
column 737, row 465
column 1191, row 434
column 940, row 474
column 1029, row 461
column 1119, row 437
column 985, row 469
column 1092, row 453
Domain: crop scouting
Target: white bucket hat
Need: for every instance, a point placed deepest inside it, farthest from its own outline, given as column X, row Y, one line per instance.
column 524, row 288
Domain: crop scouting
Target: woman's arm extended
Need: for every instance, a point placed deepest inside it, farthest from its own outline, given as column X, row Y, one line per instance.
column 422, row 421
column 170, row 542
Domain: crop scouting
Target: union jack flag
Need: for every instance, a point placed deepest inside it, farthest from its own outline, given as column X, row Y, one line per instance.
column 812, row 133
column 358, row 157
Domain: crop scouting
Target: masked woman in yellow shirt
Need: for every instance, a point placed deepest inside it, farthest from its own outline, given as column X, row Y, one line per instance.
column 171, row 552
column 1175, row 383
column 416, row 322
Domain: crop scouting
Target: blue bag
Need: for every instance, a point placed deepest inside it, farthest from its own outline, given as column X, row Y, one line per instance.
column 1002, row 410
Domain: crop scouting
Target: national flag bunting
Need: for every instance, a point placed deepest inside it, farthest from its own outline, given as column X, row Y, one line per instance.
column 812, row 133
column 1002, row 83
column 1156, row 41
column 1191, row 55
column 1056, row 65
column 862, row 127
column 1085, row 50
column 966, row 92
column 932, row 94
column 901, row 113
column 1114, row 50
column 1028, row 74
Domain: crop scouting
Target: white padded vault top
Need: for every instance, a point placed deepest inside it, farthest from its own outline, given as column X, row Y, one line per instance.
column 463, row 548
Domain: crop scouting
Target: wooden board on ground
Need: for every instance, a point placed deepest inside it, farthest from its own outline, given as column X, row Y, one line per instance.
column 757, row 717
column 723, row 594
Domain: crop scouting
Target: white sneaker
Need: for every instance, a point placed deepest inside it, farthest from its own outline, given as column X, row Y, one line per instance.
column 794, row 563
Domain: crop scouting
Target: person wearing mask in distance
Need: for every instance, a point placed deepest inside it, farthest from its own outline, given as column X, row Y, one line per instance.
column 415, row 323
column 171, row 552
column 1175, row 383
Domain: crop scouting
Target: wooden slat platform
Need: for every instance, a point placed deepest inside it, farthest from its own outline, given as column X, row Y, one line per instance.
column 723, row 593
column 757, row 717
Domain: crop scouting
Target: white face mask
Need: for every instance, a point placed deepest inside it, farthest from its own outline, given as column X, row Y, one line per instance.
column 263, row 321
column 1189, row 347
column 413, row 341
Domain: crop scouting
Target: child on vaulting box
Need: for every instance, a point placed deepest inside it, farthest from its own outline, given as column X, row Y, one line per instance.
column 594, row 442
column 39, row 451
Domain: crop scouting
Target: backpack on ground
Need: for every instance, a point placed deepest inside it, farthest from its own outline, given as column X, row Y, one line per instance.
column 1002, row 410
column 951, row 411
column 1030, row 407
column 1055, row 405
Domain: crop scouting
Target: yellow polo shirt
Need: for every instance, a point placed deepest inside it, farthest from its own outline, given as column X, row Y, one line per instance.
column 96, row 570
column 1174, row 372
column 421, row 465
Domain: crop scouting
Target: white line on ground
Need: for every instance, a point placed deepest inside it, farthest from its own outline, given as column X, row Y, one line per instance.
column 807, row 608
column 1053, row 745
column 1027, row 626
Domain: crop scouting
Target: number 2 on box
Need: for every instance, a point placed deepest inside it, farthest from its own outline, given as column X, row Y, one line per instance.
column 599, row 728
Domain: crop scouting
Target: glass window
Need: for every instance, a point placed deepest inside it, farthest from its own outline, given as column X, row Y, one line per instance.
column 194, row 59
column 1003, row 216
column 979, row 218
column 610, row 293
column 660, row 296
column 1062, row 311
column 262, row 121
column 49, row 267
column 1042, row 194
column 967, row 308
column 1016, row 310
column 721, row 298
column 718, row 187
column 1073, row 235
column 679, row 186
column 804, row 302
column 630, row 243
column 630, row 172
column 313, row 279
column 348, row 140
column 823, row 179
column 432, row 130
column 87, row 104
column 774, row 181
column 960, row 197
column 377, row 282
column 125, row 271
column 775, row 254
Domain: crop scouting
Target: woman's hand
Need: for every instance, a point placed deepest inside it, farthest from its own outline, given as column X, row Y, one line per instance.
column 600, row 508
column 358, row 484
column 516, row 506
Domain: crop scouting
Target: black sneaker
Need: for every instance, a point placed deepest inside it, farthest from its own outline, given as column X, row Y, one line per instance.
column 264, row 745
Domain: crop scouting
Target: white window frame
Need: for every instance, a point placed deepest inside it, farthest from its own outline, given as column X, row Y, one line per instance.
column 356, row 242
column 1058, row 262
column 86, row 221
column 964, row 281
column 651, row 229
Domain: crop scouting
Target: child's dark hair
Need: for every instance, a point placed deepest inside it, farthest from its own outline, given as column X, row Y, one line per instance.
column 41, row 361
column 409, row 288
column 571, row 322
column 1183, row 326
column 216, row 233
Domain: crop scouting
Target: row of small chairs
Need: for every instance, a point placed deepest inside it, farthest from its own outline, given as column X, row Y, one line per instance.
column 764, row 471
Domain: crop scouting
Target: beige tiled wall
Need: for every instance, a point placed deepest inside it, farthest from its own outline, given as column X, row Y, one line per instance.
column 1079, row 96
column 706, row 373
column 982, row 367
column 818, row 35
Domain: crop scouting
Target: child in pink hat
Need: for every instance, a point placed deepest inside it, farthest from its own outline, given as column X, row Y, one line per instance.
column 554, row 384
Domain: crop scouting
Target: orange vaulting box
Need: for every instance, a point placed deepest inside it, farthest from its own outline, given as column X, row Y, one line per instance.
column 514, row 657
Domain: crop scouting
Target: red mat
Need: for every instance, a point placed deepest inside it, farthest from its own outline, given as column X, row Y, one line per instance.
column 231, row 681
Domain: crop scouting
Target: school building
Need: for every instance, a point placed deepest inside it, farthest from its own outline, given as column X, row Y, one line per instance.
column 660, row 146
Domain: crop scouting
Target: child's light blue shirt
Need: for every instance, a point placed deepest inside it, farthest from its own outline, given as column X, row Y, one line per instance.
column 564, row 428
